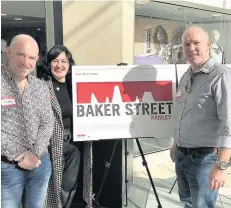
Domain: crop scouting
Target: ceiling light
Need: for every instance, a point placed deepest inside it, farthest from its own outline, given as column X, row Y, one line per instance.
column 2, row 14
column 217, row 15
column 16, row 18
column 143, row 1
column 38, row 28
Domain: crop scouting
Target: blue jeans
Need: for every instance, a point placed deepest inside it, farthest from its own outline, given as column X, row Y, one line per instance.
column 26, row 186
column 192, row 170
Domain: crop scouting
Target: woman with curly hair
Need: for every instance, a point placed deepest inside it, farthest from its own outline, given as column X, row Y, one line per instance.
column 65, row 155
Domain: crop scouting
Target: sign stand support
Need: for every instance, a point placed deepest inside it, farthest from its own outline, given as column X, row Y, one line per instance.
column 107, row 166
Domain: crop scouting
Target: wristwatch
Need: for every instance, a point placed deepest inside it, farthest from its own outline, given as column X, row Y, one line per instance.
column 222, row 165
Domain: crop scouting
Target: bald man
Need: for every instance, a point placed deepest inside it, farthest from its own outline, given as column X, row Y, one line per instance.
column 26, row 128
column 202, row 147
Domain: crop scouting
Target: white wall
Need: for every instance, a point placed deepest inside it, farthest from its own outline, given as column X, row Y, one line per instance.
column 99, row 32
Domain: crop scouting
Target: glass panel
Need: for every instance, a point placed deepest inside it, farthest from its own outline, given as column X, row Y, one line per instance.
column 168, row 21
column 24, row 17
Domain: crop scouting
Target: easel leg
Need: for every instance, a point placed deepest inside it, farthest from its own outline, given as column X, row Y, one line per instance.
column 126, row 171
column 149, row 174
column 172, row 186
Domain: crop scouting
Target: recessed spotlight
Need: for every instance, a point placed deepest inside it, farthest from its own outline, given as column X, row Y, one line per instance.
column 16, row 18
column 143, row 1
column 217, row 15
column 38, row 28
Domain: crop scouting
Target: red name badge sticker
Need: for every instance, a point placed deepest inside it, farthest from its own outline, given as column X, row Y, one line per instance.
column 8, row 101
column 178, row 94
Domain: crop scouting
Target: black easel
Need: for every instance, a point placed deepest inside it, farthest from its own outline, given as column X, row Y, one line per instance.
column 125, row 159
column 126, row 170
column 172, row 186
column 107, row 165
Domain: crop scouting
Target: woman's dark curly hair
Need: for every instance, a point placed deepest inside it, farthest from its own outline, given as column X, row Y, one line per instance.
column 53, row 53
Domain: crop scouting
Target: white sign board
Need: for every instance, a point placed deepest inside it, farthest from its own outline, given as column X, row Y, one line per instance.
column 181, row 69
column 123, row 101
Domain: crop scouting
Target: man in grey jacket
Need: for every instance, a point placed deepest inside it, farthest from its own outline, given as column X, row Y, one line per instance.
column 202, row 146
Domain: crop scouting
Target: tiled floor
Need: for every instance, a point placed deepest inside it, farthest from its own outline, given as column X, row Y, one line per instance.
column 163, row 174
